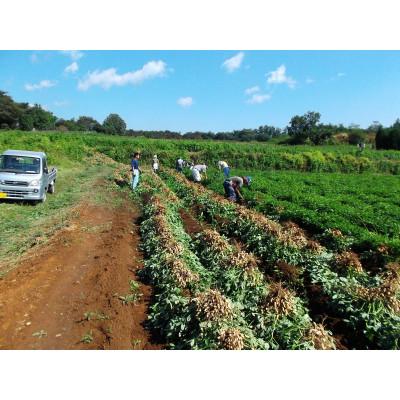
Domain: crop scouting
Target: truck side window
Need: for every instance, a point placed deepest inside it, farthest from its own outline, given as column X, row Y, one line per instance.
column 44, row 165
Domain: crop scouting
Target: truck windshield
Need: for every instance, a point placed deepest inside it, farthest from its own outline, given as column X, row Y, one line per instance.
column 19, row 164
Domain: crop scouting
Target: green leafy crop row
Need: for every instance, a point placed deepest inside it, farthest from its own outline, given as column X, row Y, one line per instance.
column 207, row 297
column 364, row 207
column 369, row 311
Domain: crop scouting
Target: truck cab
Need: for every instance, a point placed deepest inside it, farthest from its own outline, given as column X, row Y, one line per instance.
column 25, row 175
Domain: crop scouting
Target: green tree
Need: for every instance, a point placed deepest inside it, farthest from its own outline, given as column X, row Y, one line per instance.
column 356, row 137
column 42, row 120
column 10, row 111
column 26, row 122
column 303, row 127
column 388, row 138
column 87, row 123
column 374, row 126
column 114, row 125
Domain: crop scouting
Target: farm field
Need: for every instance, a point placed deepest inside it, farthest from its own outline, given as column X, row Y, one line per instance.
column 301, row 285
column 69, row 146
column 189, row 270
column 364, row 207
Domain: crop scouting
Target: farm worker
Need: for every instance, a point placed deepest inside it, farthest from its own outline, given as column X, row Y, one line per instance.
column 155, row 164
column 179, row 164
column 135, row 170
column 196, row 174
column 230, row 192
column 202, row 168
column 223, row 165
column 236, row 182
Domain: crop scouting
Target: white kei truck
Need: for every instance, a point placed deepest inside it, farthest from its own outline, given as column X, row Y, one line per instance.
column 25, row 175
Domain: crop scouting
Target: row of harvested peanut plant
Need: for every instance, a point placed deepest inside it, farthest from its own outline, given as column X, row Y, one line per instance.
column 244, row 281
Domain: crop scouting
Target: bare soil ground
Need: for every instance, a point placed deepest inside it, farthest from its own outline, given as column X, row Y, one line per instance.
column 66, row 294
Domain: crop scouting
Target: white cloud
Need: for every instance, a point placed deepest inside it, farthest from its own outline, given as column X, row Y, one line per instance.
column 310, row 80
column 62, row 103
column 72, row 68
column 279, row 76
column 338, row 76
column 45, row 84
column 258, row 98
column 233, row 63
column 34, row 58
column 185, row 101
column 251, row 90
column 74, row 54
column 110, row 77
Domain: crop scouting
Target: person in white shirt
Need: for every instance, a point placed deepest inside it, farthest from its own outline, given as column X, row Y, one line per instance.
column 155, row 164
column 196, row 174
column 223, row 165
column 179, row 164
column 202, row 168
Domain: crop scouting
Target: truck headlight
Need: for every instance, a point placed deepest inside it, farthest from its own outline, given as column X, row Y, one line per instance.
column 2, row 182
column 35, row 182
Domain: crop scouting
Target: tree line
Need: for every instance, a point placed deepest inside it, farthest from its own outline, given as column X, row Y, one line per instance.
column 27, row 117
column 302, row 129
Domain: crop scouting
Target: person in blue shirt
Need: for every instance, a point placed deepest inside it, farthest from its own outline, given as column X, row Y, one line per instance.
column 135, row 170
column 233, row 185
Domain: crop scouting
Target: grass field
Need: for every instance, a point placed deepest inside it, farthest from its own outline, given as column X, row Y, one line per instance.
column 23, row 225
column 64, row 147
column 322, row 188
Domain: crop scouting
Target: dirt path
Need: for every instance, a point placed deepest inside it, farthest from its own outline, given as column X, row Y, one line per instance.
column 67, row 295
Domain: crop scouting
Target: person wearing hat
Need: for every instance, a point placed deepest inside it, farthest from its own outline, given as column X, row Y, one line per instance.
column 155, row 165
column 233, row 185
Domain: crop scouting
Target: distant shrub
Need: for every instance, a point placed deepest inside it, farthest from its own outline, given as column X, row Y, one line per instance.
column 341, row 137
column 355, row 137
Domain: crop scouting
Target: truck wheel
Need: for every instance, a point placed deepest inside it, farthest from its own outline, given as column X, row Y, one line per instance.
column 52, row 188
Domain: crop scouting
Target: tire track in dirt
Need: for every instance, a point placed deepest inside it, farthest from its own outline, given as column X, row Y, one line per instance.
column 70, row 288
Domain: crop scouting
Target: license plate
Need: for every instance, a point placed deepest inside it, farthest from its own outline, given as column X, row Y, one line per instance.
column 3, row 195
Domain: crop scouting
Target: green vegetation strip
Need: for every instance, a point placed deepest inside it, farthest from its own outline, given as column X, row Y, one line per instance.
column 329, row 158
column 364, row 207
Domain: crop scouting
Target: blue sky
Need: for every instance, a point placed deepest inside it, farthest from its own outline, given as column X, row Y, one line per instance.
column 207, row 90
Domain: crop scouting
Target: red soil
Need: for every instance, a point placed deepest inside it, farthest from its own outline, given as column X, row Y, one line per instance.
column 81, row 270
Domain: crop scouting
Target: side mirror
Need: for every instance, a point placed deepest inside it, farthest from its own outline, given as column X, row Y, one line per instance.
column 46, row 170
